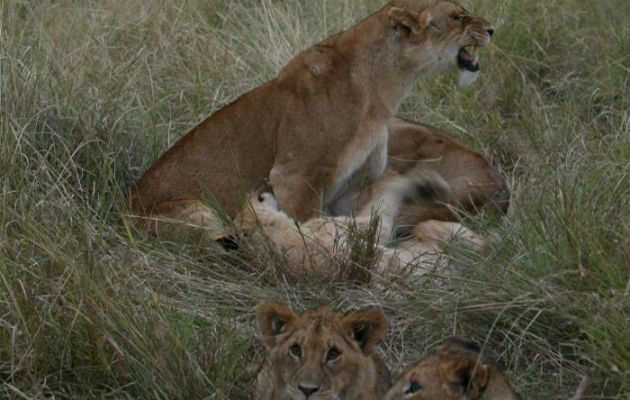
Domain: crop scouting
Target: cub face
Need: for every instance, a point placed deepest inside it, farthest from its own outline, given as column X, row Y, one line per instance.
column 322, row 354
column 455, row 372
column 439, row 37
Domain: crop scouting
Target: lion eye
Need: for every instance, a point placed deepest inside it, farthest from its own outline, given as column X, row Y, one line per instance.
column 414, row 387
column 296, row 350
column 456, row 17
column 332, row 354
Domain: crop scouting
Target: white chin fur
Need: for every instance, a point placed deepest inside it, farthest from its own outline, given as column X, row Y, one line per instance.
column 466, row 78
column 269, row 201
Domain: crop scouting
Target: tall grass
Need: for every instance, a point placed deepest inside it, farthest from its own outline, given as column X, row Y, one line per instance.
column 92, row 92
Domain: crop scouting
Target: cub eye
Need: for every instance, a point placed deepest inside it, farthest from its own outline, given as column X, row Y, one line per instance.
column 456, row 17
column 332, row 354
column 414, row 387
column 296, row 350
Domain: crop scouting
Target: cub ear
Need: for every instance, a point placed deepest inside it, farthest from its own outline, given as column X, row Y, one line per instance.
column 461, row 342
column 466, row 372
column 367, row 327
column 273, row 319
column 405, row 23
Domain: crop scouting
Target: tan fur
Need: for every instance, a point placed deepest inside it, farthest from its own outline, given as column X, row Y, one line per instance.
column 321, row 354
column 422, row 253
column 184, row 217
column 473, row 184
column 311, row 246
column 457, row 371
column 323, row 118
column 438, row 232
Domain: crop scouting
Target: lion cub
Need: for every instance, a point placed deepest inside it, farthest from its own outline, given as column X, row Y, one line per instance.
column 321, row 354
column 317, row 241
column 456, row 371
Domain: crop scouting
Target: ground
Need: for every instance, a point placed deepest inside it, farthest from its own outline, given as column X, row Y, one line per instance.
column 92, row 92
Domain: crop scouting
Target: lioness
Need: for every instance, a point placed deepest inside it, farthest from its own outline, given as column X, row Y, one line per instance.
column 320, row 120
column 321, row 354
column 457, row 371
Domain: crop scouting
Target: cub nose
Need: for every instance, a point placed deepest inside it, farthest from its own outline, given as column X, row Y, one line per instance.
column 490, row 31
column 308, row 389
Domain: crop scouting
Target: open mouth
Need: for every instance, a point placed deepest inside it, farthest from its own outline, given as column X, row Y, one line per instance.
column 468, row 61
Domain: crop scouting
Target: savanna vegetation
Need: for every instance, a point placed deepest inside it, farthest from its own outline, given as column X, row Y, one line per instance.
column 92, row 92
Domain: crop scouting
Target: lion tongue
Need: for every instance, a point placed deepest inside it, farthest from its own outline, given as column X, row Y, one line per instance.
column 468, row 61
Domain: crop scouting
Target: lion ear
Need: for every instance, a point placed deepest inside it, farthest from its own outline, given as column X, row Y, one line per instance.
column 467, row 373
column 273, row 319
column 367, row 327
column 405, row 23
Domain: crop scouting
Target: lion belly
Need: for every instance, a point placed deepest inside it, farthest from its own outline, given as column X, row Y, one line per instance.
column 222, row 159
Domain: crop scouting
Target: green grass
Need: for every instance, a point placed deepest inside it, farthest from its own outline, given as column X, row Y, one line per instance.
column 93, row 91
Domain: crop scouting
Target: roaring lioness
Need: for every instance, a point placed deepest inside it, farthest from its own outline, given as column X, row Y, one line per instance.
column 457, row 371
column 321, row 354
column 320, row 120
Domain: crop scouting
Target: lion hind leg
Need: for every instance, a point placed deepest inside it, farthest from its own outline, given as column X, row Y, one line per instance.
column 186, row 216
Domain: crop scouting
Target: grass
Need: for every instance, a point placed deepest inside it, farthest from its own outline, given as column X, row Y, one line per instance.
column 93, row 91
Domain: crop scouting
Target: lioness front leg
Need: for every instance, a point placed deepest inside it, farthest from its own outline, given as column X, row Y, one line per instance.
column 296, row 196
column 372, row 168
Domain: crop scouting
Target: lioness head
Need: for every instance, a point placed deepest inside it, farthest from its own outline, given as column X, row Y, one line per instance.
column 455, row 372
column 439, row 36
column 322, row 354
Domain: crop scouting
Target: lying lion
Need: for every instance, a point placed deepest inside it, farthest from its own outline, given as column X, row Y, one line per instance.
column 322, row 119
column 321, row 354
column 457, row 371
column 311, row 246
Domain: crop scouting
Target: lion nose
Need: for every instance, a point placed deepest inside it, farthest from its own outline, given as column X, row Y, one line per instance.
column 308, row 388
column 490, row 31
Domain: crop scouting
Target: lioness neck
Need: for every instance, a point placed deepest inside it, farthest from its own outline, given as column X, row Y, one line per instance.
column 374, row 55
